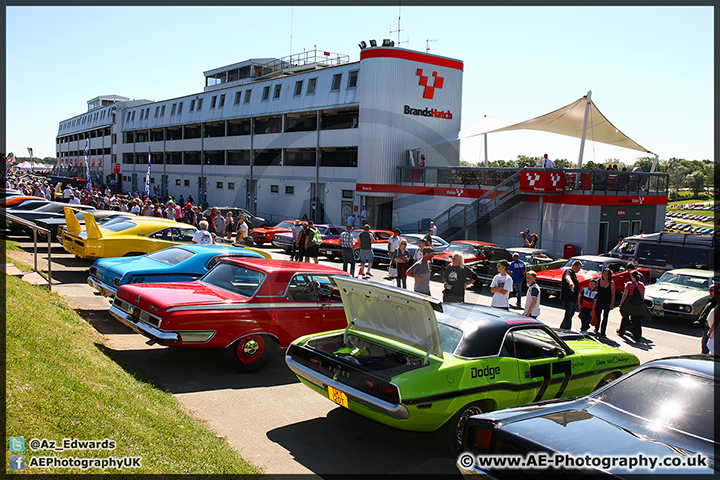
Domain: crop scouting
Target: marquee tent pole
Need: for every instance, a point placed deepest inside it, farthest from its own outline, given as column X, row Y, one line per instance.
column 485, row 146
column 584, row 134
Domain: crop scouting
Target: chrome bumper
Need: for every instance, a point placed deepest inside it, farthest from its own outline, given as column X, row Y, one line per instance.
column 393, row 410
column 105, row 289
column 473, row 470
column 142, row 328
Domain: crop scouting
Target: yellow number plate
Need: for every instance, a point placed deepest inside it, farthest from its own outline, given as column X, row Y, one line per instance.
column 337, row 396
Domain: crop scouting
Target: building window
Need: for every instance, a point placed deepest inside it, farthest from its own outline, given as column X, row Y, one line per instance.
column 347, row 194
column 289, row 190
column 187, row 183
column 311, row 86
column 162, row 111
column 222, row 101
column 266, row 93
column 220, row 185
column 231, row 186
column 177, row 182
column 274, row 189
column 336, row 82
column 172, row 110
column 200, row 102
column 157, row 111
column 213, row 101
column 142, row 112
column 179, row 108
column 192, row 105
column 147, row 113
column 132, row 120
column 352, row 79
column 247, row 96
column 298, row 88
column 276, row 94
column 238, row 95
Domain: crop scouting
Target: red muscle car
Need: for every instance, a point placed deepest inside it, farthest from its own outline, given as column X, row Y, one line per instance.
column 550, row 281
column 266, row 234
column 332, row 250
column 471, row 250
column 249, row 307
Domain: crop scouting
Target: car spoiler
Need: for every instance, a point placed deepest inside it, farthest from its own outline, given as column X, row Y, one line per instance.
column 73, row 225
column 91, row 227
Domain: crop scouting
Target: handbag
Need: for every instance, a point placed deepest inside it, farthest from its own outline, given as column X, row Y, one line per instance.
column 392, row 272
column 593, row 319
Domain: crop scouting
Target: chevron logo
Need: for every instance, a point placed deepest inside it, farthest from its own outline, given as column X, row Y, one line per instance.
column 532, row 178
column 429, row 91
column 554, row 178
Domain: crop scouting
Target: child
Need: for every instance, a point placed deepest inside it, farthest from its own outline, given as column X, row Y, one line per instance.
column 586, row 304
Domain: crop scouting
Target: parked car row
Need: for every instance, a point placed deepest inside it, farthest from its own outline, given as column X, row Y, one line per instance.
column 689, row 216
column 687, row 228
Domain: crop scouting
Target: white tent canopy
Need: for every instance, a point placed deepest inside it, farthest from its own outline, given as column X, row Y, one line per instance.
column 32, row 166
column 569, row 119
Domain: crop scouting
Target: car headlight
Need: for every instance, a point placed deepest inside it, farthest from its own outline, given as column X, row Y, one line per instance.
column 687, row 308
column 650, row 299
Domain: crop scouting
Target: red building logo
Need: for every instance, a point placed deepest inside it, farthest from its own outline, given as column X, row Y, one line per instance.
column 429, row 91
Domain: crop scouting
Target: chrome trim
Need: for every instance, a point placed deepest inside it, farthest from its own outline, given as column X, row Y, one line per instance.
column 474, row 469
column 397, row 411
column 99, row 286
column 143, row 328
column 196, row 336
column 236, row 306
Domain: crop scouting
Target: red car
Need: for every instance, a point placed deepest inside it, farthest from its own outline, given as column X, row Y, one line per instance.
column 266, row 234
column 249, row 307
column 550, row 281
column 471, row 251
column 332, row 250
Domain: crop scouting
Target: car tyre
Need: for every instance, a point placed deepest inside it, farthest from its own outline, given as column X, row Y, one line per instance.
column 453, row 429
column 356, row 255
column 250, row 353
column 606, row 379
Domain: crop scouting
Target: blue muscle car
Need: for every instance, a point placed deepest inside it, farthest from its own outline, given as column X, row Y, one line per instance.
column 184, row 263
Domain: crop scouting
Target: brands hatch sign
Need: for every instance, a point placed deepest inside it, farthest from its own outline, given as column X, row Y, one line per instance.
column 429, row 93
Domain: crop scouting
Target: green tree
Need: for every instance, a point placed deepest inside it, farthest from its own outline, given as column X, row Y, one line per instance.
column 697, row 182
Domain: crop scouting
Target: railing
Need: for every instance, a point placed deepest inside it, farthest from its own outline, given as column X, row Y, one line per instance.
column 310, row 57
column 35, row 229
column 591, row 181
column 461, row 215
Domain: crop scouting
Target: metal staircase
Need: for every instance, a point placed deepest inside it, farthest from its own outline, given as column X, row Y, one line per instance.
column 453, row 222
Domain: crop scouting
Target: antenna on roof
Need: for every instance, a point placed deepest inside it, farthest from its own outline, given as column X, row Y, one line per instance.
column 291, row 27
column 398, row 30
column 427, row 44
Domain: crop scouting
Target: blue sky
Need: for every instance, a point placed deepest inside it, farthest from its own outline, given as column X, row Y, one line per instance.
column 650, row 69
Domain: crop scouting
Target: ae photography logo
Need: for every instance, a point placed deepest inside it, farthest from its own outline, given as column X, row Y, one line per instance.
column 16, row 445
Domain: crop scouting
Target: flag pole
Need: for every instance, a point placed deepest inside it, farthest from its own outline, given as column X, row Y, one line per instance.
column 147, row 175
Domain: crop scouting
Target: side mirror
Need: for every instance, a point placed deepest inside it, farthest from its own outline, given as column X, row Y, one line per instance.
column 560, row 352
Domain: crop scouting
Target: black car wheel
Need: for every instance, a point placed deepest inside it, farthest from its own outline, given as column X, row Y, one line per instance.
column 356, row 255
column 251, row 353
column 606, row 379
column 453, row 429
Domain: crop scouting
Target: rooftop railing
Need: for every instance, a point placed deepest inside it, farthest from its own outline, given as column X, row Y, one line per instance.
column 596, row 182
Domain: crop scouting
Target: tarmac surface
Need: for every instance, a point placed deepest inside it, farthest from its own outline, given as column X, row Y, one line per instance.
column 269, row 417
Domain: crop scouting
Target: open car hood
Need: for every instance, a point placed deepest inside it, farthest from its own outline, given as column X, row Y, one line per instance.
column 390, row 312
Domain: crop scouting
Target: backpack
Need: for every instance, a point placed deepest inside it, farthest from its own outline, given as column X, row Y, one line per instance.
column 316, row 237
column 636, row 297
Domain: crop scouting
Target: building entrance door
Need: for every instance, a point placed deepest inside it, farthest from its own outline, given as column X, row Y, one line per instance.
column 251, row 196
column 317, row 205
column 603, row 237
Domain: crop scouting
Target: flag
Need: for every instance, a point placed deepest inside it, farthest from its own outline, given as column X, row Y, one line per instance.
column 58, row 190
column 30, row 152
column 88, row 182
column 10, row 158
column 147, row 175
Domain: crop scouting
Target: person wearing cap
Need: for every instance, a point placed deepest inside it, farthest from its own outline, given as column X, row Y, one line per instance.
column 393, row 242
column 501, row 286
column 367, row 258
column 517, row 270
column 420, row 271
column 569, row 293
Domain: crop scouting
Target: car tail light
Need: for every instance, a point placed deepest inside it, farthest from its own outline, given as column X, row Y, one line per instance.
column 314, row 360
column 93, row 271
column 116, row 281
column 370, row 384
column 480, row 437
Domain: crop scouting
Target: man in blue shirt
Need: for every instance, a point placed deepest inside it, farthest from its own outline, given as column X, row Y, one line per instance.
column 517, row 270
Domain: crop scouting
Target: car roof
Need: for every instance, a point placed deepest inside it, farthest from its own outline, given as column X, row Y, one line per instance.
column 527, row 250
column 474, row 242
column 597, row 258
column 274, row 266
column 704, row 364
column 693, row 272
column 484, row 328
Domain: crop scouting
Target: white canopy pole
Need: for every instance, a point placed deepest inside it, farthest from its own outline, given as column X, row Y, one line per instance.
column 485, row 146
column 654, row 166
column 582, row 139
column 584, row 130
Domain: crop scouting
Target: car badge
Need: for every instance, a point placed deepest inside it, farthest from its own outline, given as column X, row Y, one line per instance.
column 137, row 299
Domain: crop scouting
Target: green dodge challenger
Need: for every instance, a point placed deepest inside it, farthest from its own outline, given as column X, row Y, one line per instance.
column 409, row 362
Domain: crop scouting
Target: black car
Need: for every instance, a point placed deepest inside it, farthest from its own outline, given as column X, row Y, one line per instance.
column 47, row 210
column 486, row 269
column 662, row 410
